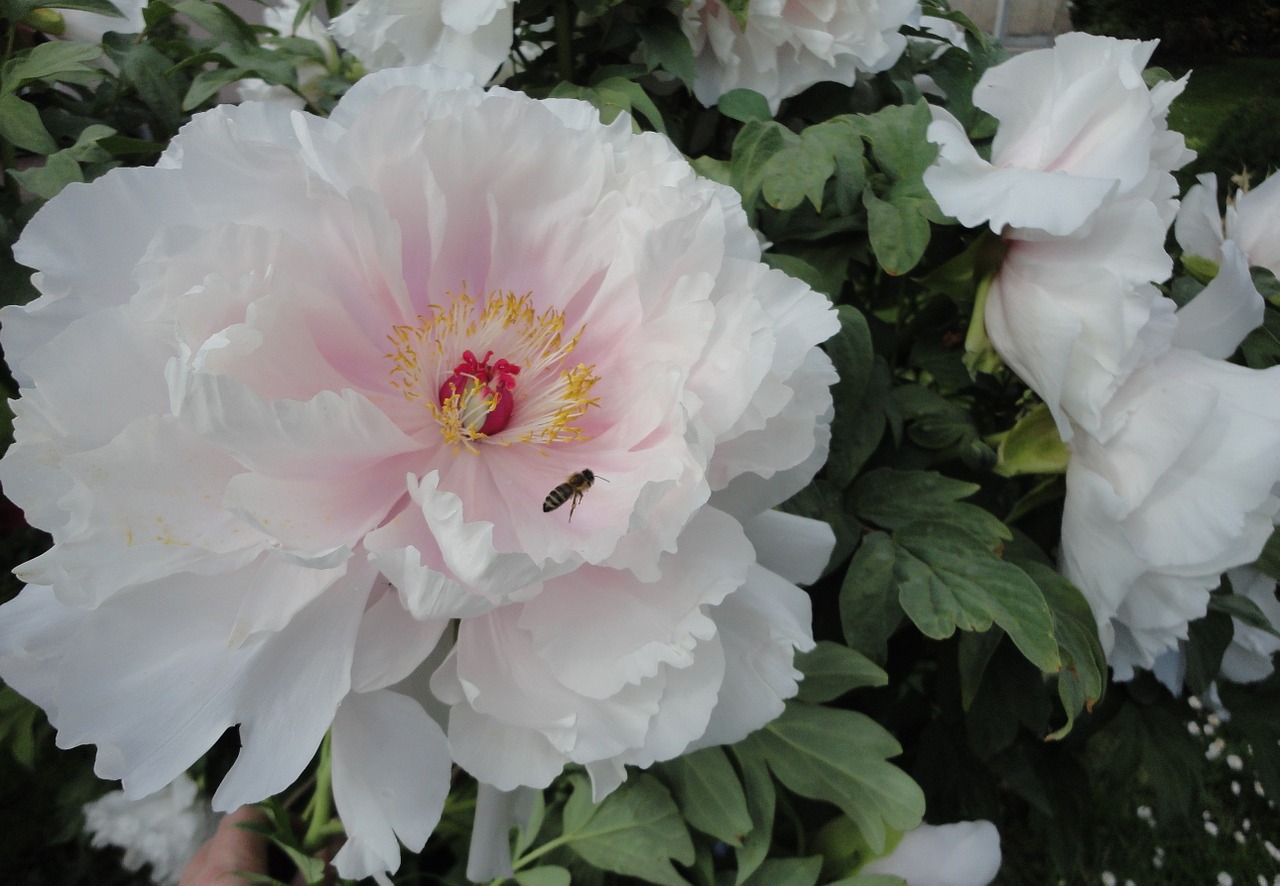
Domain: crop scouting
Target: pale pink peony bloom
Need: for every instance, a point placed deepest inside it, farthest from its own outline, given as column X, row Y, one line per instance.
column 789, row 45
column 1078, row 128
column 163, row 829
column 1252, row 222
column 966, row 853
column 471, row 36
column 292, row 402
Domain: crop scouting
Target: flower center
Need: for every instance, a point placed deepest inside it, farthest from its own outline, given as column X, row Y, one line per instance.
column 476, row 399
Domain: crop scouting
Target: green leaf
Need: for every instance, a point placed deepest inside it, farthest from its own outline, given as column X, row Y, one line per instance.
column 899, row 234
column 47, row 60
column 869, row 607
column 752, row 148
column 665, row 46
column 739, row 9
column 631, row 96
column 219, row 21
column 18, row 722
column 207, row 84
column 709, row 794
column 840, row 757
column 1032, row 446
column 851, row 354
column 1083, row 677
column 148, row 71
column 897, row 135
column 59, row 170
column 799, row 171
column 548, row 875
column 1243, row 608
column 745, row 105
column 831, row 670
column 634, row 831
column 787, row 872
column 892, row 499
column 761, row 802
column 20, row 125
column 1208, row 638
column 947, row 582
column 1269, row 559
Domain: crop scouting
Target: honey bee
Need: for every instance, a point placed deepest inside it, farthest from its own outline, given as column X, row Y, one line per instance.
column 573, row 488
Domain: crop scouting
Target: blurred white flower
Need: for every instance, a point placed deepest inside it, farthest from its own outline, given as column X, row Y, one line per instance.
column 789, row 45
column 1252, row 222
column 281, row 18
column 471, row 36
column 90, row 26
column 292, row 402
column 163, row 829
column 966, row 853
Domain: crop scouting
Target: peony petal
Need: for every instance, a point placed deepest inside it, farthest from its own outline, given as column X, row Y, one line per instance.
column 1216, row 321
column 1198, row 227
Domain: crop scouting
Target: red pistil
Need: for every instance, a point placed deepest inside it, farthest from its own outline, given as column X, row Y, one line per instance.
column 483, row 392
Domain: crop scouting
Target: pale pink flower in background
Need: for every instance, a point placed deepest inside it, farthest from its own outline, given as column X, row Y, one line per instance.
column 966, row 853
column 471, row 36
column 789, row 45
column 163, row 829
column 292, row 401
column 1252, row 222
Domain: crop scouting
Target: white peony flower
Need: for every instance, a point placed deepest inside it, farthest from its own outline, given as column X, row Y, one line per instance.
column 789, row 45
column 966, row 853
column 1249, row 658
column 1080, row 187
column 163, row 829
column 471, row 36
column 293, row 400
column 1078, row 129
column 1252, row 222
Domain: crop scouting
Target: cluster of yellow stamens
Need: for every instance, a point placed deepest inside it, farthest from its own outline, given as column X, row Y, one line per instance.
column 493, row 369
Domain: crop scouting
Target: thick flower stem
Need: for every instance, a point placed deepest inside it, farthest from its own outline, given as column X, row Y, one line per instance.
column 319, row 812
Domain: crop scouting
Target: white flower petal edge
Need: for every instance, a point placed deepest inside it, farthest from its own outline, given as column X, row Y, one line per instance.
column 470, row 36
column 966, row 853
column 1251, row 222
column 789, row 45
column 1228, row 309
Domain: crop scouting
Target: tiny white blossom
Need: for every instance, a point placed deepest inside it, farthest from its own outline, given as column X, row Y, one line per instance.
column 1234, row 761
column 163, row 829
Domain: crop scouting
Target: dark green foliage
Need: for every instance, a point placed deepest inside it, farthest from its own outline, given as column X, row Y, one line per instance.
column 1188, row 29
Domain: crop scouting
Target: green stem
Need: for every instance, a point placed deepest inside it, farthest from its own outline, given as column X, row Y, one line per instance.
column 564, row 39
column 562, row 840
column 320, row 824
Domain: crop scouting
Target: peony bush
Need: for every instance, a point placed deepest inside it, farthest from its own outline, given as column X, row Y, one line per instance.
column 610, row 441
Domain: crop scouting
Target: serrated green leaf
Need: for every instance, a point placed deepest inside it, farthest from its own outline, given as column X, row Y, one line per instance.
column 635, row 831
column 744, row 105
column 310, row 868
column 665, row 46
column 47, row 60
column 631, row 96
column 787, row 872
column 1082, row 679
column 148, row 71
column 752, row 148
column 761, row 802
column 20, row 125
column 851, row 354
column 869, row 607
column 840, row 757
column 899, row 234
column 709, row 794
column 1032, row 446
column 548, row 875
column 891, row 499
column 972, row 657
column 799, row 171
column 58, row 171
column 101, row 7
column 1269, row 560
column 947, row 582
column 898, row 141
column 830, row 670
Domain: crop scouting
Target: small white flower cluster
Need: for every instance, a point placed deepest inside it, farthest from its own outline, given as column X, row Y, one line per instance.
column 162, row 830
column 1174, row 451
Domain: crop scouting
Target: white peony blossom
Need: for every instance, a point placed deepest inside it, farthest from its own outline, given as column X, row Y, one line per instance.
column 295, row 403
column 471, row 36
column 966, row 853
column 1252, row 222
column 1080, row 187
column 163, row 829
column 789, row 45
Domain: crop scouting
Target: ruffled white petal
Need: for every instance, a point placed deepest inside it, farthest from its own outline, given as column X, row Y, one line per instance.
column 1229, row 308
column 966, row 853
